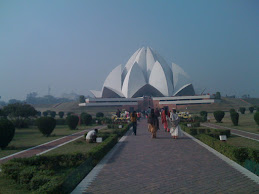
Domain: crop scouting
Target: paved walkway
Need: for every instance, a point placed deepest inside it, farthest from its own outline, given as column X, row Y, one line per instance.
column 164, row 165
column 245, row 134
column 43, row 148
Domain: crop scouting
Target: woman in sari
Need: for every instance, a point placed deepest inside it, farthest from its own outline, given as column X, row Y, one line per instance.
column 175, row 128
column 152, row 123
column 164, row 117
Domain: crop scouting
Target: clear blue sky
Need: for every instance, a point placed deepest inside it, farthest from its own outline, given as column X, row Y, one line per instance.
column 73, row 45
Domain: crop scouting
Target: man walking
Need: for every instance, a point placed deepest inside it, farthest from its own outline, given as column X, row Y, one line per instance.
column 133, row 119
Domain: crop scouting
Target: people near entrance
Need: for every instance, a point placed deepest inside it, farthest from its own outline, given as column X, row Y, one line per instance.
column 91, row 136
column 138, row 115
column 133, row 119
column 153, row 123
column 164, row 118
column 148, row 111
column 175, row 128
column 118, row 113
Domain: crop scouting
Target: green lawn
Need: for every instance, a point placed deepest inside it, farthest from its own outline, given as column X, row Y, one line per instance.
column 246, row 122
column 27, row 138
column 238, row 141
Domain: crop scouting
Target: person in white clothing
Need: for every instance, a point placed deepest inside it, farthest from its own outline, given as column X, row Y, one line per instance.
column 175, row 128
column 91, row 136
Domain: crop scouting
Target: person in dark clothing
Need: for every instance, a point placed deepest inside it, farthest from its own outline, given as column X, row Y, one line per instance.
column 133, row 119
column 157, row 113
column 153, row 123
column 118, row 113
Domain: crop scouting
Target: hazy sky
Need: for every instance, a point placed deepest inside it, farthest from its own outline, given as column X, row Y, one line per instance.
column 71, row 46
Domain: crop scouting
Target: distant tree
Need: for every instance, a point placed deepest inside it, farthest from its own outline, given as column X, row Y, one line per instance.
column 218, row 95
column 99, row 114
column 204, row 115
column 61, row 114
column 232, row 110
column 256, row 117
column 7, row 131
column 242, row 110
column 81, row 99
column 87, row 119
column 72, row 121
column 251, row 109
column 46, row 125
column 53, row 114
column 14, row 101
column 234, row 118
column 39, row 114
column 219, row 115
column 45, row 113
column 69, row 113
column 2, row 103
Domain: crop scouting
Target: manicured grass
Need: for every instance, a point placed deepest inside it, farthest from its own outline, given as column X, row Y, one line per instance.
column 27, row 138
column 238, row 141
column 246, row 122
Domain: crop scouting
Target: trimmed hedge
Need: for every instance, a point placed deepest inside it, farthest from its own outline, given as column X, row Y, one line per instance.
column 234, row 118
column 219, row 115
column 72, row 121
column 46, row 125
column 256, row 117
column 242, row 110
column 7, row 131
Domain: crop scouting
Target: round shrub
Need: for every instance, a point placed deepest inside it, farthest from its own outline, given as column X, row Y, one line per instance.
column 46, row 125
column 39, row 114
column 53, row 114
column 219, row 115
column 232, row 110
column 204, row 115
column 251, row 109
column 242, row 110
column 87, row 119
column 61, row 114
column 45, row 113
column 72, row 121
column 256, row 118
column 234, row 118
column 99, row 114
column 7, row 131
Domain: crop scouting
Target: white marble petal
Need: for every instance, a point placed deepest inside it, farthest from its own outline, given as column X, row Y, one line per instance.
column 186, row 90
column 160, row 81
column 150, row 61
column 141, row 60
column 114, row 79
column 180, row 77
column 97, row 94
column 133, row 81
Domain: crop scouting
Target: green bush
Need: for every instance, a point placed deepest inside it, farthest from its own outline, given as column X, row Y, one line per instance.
column 72, row 121
column 7, row 131
column 69, row 114
column 60, row 121
column 46, row 125
column 53, row 114
column 232, row 110
column 99, row 114
column 256, row 118
column 193, row 131
column 204, row 115
column 252, row 166
column 251, row 109
column 87, row 119
column 26, row 175
column 241, row 154
column 45, row 113
column 242, row 110
column 196, row 124
column 197, row 119
column 234, row 118
column 61, row 114
column 39, row 114
column 219, row 115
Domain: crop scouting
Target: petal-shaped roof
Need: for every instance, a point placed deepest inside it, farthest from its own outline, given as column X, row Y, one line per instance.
column 160, row 81
column 133, row 81
column 97, row 94
column 180, row 76
column 150, row 58
column 111, row 93
column 114, row 79
column 186, row 90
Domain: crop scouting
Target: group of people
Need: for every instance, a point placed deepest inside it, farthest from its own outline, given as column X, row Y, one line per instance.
column 169, row 119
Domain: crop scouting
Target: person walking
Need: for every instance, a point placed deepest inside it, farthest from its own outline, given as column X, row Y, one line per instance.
column 152, row 123
column 157, row 113
column 133, row 119
column 164, row 117
column 175, row 128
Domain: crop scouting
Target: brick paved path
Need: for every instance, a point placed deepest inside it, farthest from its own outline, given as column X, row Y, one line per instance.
column 165, row 165
column 249, row 135
column 37, row 150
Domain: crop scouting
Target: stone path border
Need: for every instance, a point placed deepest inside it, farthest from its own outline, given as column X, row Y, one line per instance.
column 245, row 134
column 48, row 146
column 83, row 185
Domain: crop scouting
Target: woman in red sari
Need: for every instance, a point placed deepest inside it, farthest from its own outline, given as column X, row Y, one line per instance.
column 165, row 113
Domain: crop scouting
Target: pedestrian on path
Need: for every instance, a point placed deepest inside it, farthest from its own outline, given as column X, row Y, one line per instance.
column 133, row 119
column 153, row 123
column 175, row 128
column 91, row 136
column 164, row 117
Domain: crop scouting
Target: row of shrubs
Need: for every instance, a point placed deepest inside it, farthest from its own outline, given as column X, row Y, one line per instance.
column 43, row 173
column 247, row 157
column 61, row 114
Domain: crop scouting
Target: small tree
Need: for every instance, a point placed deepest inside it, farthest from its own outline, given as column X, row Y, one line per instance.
column 72, row 121
column 242, row 110
column 218, row 95
column 39, row 114
column 45, row 113
column 7, row 131
column 82, row 99
column 69, row 113
column 251, row 109
column 61, row 114
column 53, row 114
column 219, row 115
column 234, row 118
column 256, row 117
column 204, row 115
column 99, row 114
column 232, row 110
column 87, row 119
column 46, row 125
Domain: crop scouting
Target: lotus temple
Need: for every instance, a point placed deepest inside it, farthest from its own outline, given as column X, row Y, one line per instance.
column 147, row 80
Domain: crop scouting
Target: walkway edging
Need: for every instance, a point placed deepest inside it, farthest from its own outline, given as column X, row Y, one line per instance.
column 230, row 162
column 86, row 182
